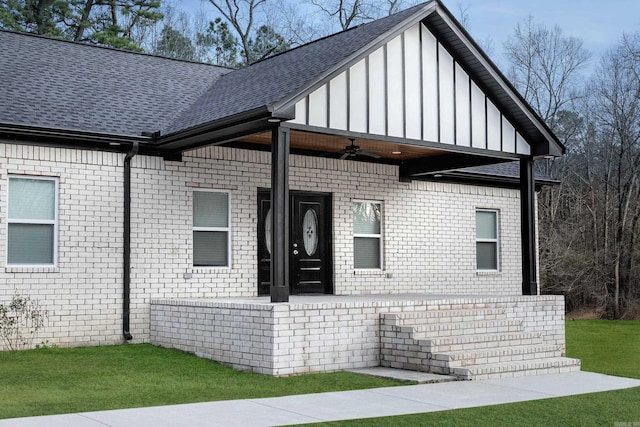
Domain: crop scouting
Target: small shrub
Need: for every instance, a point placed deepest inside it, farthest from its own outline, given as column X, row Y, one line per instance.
column 20, row 320
column 45, row 344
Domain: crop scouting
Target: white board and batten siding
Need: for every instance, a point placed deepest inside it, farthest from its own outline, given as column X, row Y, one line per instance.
column 411, row 88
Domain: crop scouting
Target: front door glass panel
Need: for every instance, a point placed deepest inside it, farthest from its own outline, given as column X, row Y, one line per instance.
column 267, row 231
column 310, row 231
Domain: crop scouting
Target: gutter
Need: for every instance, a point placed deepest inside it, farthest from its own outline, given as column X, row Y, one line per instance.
column 106, row 139
column 499, row 181
column 126, row 288
column 256, row 114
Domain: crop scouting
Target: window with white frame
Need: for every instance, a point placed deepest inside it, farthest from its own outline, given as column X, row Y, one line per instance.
column 487, row 240
column 367, row 235
column 32, row 221
column 211, row 228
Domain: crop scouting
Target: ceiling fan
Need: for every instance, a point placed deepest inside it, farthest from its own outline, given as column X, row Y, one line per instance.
column 354, row 150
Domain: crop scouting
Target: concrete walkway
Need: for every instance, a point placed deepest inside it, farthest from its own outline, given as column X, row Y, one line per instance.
column 310, row 408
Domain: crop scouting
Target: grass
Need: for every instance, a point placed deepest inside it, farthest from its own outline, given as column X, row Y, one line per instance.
column 55, row 381
column 52, row 381
column 597, row 409
column 605, row 346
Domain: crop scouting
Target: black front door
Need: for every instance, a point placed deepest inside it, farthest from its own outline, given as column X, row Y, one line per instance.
column 310, row 246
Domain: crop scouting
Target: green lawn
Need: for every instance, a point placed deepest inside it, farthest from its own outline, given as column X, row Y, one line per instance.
column 55, row 381
column 50, row 381
column 605, row 346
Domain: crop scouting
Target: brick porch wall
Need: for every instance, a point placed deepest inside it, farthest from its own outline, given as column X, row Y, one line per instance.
column 294, row 338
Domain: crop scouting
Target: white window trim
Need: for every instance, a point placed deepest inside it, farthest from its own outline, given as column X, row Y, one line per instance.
column 496, row 241
column 53, row 222
column 227, row 229
column 378, row 236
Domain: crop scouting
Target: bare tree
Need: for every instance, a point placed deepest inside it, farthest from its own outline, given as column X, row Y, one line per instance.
column 589, row 224
column 616, row 112
column 248, row 21
column 395, row 6
column 545, row 66
column 241, row 15
column 464, row 17
column 174, row 36
column 293, row 22
column 349, row 13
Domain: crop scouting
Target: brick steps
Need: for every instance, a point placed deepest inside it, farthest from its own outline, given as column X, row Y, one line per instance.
column 466, row 328
column 437, row 316
column 554, row 365
column 498, row 355
column 478, row 341
column 469, row 343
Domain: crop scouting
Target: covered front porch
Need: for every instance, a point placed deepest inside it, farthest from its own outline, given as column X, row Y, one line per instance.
column 499, row 336
column 412, row 92
column 381, row 114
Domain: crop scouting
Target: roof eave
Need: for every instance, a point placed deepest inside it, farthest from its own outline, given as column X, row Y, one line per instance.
column 222, row 130
column 215, row 132
column 501, row 181
column 71, row 137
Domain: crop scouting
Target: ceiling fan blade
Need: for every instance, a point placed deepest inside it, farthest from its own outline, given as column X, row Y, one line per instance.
column 368, row 154
column 344, row 156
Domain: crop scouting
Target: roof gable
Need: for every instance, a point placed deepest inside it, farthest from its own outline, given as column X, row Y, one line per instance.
column 467, row 52
column 467, row 82
column 411, row 88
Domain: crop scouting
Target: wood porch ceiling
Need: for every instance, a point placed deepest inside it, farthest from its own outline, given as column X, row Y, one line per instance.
column 334, row 146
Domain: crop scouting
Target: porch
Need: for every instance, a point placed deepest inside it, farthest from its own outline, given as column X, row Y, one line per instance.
column 500, row 336
column 412, row 92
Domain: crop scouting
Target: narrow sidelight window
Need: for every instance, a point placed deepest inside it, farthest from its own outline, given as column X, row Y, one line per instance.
column 367, row 235
column 32, row 221
column 487, row 248
column 211, row 229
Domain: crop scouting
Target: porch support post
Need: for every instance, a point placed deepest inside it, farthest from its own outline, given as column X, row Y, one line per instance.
column 528, row 227
column 279, row 214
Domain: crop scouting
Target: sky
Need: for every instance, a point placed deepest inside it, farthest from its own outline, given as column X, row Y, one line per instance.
column 600, row 24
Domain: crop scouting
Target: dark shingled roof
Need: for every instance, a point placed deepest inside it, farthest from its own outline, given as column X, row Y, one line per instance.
column 58, row 85
column 62, row 85
column 266, row 82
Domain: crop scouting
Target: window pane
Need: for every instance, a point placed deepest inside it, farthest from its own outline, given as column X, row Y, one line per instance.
column 30, row 244
column 366, row 252
column 210, row 209
column 487, row 256
column 31, row 198
column 210, row 248
column 366, row 218
column 486, row 225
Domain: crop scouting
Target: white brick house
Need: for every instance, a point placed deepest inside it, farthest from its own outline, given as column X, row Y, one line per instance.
column 161, row 207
